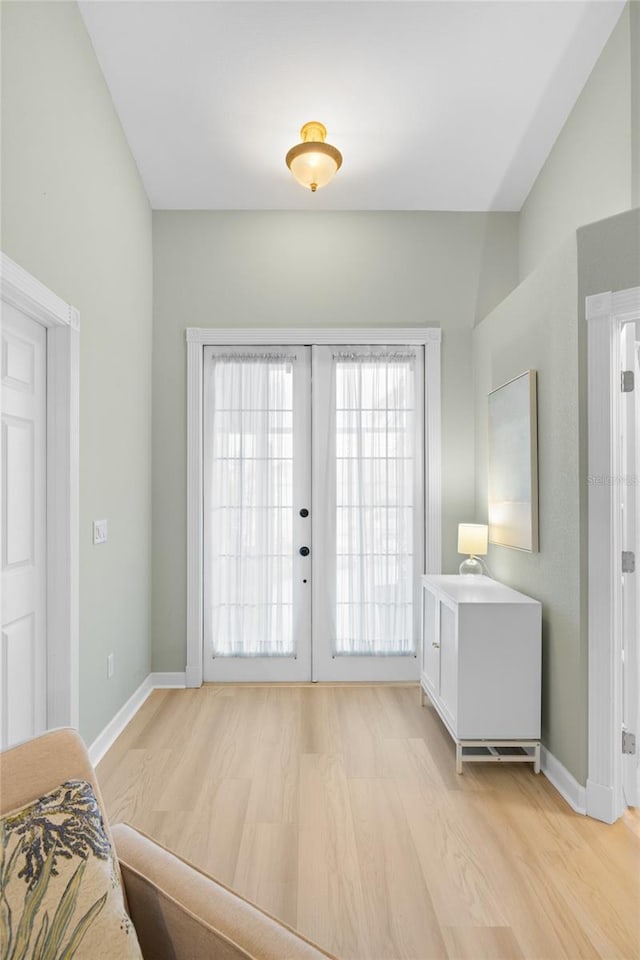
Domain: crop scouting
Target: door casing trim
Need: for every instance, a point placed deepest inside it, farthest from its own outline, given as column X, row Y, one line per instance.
column 62, row 321
column 605, row 314
column 199, row 337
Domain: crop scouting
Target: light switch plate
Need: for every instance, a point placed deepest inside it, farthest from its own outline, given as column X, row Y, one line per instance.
column 99, row 531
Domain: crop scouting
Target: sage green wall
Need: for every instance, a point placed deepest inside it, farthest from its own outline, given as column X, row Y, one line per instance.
column 536, row 327
column 608, row 256
column 242, row 269
column 75, row 215
column 587, row 175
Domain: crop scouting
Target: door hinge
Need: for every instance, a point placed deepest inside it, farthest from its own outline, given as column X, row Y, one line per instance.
column 628, row 561
column 628, row 742
column 627, row 381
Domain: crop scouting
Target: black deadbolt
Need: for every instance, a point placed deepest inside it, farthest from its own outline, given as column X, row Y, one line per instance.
column 304, row 512
column 304, row 551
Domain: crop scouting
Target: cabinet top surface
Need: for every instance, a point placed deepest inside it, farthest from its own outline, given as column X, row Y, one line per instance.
column 474, row 589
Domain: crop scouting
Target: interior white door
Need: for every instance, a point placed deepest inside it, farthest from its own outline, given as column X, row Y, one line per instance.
column 257, row 562
column 23, row 666
column 630, row 501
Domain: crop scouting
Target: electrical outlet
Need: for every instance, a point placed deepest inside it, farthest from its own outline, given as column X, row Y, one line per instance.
column 110, row 666
column 99, row 531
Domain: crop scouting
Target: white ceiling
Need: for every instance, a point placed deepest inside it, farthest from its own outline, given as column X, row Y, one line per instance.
column 434, row 105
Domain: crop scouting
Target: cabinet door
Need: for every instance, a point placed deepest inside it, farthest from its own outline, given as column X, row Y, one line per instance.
column 499, row 670
column 448, row 662
column 430, row 640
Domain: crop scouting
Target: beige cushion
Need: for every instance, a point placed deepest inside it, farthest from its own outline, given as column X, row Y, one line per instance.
column 60, row 893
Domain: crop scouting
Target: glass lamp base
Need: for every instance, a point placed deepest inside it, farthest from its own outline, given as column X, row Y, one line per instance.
column 471, row 565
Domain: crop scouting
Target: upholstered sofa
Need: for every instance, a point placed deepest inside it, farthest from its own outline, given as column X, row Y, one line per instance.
column 178, row 912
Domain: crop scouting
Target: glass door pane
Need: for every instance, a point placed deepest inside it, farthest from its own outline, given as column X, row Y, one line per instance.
column 256, row 481
column 368, row 490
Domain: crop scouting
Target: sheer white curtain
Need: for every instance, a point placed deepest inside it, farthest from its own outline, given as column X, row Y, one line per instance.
column 248, row 504
column 374, row 501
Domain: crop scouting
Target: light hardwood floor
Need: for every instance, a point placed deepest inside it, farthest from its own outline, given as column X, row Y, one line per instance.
column 338, row 809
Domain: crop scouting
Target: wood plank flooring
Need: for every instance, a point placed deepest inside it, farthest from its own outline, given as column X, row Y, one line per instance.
column 338, row 809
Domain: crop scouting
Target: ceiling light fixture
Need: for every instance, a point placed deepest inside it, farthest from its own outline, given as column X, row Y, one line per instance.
column 313, row 162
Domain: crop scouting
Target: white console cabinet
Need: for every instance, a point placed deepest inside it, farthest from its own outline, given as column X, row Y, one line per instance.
column 481, row 667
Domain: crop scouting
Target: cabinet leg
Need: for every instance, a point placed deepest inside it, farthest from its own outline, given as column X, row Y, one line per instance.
column 423, row 697
column 536, row 762
column 458, row 758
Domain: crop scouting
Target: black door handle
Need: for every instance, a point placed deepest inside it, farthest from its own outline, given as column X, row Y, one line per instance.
column 304, row 551
column 304, row 512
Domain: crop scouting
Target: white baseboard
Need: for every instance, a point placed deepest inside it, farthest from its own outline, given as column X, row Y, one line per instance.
column 564, row 782
column 601, row 802
column 117, row 724
column 193, row 676
column 160, row 681
column 127, row 712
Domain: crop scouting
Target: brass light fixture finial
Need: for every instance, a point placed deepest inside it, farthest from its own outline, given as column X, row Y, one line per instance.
column 313, row 162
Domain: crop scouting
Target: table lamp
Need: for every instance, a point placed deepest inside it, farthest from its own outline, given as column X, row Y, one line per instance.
column 472, row 539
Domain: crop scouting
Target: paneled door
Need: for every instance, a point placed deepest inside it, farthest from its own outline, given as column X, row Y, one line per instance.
column 23, row 667
column 313, row 512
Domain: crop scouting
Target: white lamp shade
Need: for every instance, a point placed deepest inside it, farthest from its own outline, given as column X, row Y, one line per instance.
column 473, row 538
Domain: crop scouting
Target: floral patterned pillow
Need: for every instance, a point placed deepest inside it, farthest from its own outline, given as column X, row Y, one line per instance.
column 60, row 893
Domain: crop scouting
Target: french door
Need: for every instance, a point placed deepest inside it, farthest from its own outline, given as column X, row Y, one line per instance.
column 313, row 537
column 257, row 500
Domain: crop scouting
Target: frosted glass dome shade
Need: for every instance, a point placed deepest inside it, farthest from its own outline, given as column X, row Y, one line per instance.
column 313, row 162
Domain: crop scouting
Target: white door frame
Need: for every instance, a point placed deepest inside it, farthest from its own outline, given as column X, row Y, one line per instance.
column 605, row 315
column 32, row 298
column 197, row 339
